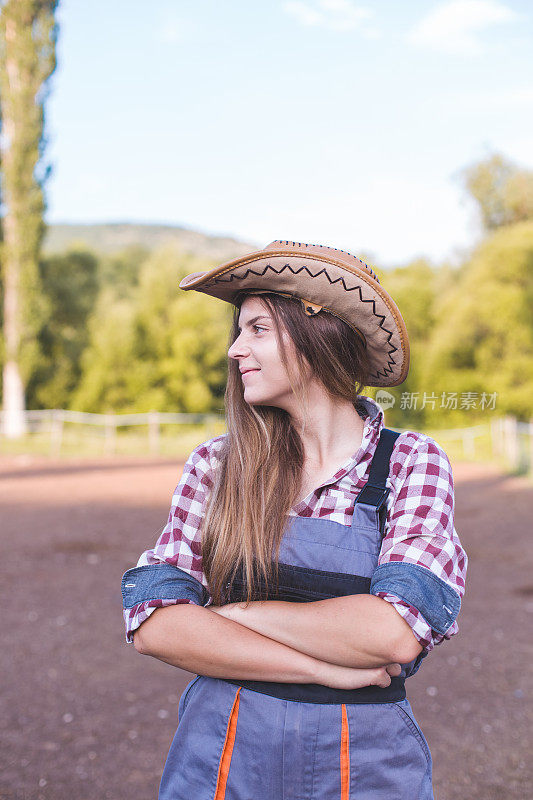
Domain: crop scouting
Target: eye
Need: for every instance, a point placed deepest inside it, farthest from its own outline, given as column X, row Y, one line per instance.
column 255, row 327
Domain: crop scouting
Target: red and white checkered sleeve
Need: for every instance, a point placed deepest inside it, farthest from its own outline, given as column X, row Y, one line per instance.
column 422, row 564
column 171, row 571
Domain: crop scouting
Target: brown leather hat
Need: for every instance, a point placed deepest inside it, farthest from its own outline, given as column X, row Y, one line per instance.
column 324, row 279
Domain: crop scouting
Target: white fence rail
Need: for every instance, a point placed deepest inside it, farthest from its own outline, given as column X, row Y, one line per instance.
column 510, row 441
column 53, row 422
column 467, row 437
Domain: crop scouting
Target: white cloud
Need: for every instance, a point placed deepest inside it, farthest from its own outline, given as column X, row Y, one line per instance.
column 519, row 96
column 515, row 100
column 335, row 15
column 172, row 30
column 303, row 13
column 371, row 33
column 454, row 26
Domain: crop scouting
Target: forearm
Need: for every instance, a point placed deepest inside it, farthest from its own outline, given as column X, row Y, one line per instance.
column 354, row 631
column 197, row 640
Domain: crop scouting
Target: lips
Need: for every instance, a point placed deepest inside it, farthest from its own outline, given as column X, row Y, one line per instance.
column 246, row 371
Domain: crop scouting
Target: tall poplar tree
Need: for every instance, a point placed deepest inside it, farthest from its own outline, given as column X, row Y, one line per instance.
column 28, row 34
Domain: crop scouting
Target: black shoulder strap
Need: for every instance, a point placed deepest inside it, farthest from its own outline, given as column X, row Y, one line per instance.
column 375, row 491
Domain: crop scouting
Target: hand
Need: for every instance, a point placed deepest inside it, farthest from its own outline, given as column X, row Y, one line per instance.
column 339, row 677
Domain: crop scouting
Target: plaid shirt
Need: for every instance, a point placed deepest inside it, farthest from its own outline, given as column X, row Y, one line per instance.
column 419, row 527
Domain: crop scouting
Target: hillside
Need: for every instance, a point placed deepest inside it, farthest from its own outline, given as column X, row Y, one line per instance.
column 113, row 236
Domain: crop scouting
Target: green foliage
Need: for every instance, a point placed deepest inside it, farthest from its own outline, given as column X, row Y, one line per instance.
column 416, row 288
column 121, row 270
column 70, row 287
column 160, row 349
column 483, row 337
column 109, row 364
column 503, row 192
column 413, row 289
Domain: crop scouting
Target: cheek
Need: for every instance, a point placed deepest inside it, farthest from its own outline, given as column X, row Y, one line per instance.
column 269, row 358
column 278, row 377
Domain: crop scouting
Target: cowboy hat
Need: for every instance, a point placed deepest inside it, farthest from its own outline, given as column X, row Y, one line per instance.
column 323, row 279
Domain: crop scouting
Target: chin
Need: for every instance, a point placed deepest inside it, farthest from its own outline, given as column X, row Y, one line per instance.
column 256, row 399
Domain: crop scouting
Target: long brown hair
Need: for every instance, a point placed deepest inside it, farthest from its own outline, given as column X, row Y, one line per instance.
column 259, row 477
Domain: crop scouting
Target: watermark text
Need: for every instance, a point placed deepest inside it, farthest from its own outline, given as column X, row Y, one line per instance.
column 451, row 401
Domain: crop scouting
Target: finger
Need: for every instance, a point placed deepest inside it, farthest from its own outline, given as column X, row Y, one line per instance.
column 385, row 680
column 394, row 669
column 382, row 678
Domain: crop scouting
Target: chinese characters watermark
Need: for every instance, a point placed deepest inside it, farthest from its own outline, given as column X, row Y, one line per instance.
column 418, row 401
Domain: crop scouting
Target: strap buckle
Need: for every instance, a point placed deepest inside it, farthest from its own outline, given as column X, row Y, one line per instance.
column 373, row 495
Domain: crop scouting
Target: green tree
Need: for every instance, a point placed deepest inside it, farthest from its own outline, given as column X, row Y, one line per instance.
column 121, row 270
column 28, row 33
column 109, row 366
column 483, row 338
column 502, row 191
column 159, row 349
column 417, row 288
column 70, row 285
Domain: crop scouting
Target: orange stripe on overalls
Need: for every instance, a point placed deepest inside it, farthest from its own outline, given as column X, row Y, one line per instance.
column 345, row 757
column 227, row 750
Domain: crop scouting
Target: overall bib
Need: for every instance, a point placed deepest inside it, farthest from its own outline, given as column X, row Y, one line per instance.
column 260, row 740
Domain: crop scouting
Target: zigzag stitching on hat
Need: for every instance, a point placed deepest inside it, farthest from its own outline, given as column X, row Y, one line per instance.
column 380, row 373
column 337, row 249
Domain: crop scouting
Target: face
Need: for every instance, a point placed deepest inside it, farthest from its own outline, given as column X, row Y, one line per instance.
column 256, row 349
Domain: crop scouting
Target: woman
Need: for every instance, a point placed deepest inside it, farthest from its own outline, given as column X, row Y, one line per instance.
column 336, row 531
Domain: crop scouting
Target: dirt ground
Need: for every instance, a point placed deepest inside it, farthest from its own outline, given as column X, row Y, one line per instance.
column 85, row 716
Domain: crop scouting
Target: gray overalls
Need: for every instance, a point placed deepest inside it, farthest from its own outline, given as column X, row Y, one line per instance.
column 255, row 740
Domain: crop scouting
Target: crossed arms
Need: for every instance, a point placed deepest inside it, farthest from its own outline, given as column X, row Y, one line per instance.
column 345, row 642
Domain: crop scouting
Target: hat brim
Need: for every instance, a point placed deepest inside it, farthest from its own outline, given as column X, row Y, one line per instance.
column 343, row 289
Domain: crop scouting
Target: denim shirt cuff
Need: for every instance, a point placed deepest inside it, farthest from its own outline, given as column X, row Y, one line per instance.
column 161, row 582
column 438, row 603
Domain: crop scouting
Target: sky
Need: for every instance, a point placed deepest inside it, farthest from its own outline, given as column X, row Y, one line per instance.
column 330, row 122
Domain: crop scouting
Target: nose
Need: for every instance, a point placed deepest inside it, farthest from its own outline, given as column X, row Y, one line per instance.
column 239, row 348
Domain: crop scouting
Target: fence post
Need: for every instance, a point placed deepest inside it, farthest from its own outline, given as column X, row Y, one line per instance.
column 469, row 449
column 110, row 434
column 153, row 432
column 530, row 448
column 56, row 432
column 496, row 437
column 511, row 443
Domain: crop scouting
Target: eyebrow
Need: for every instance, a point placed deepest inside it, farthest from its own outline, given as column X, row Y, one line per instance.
column 254, row 319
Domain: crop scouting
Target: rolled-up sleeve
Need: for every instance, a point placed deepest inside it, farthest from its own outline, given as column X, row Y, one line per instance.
column 422, row 565
column 171, row 572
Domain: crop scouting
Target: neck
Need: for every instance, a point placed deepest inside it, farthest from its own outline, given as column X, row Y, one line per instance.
column 333, row 431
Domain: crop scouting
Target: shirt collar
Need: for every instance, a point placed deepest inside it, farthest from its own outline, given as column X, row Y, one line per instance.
column 375, row 412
